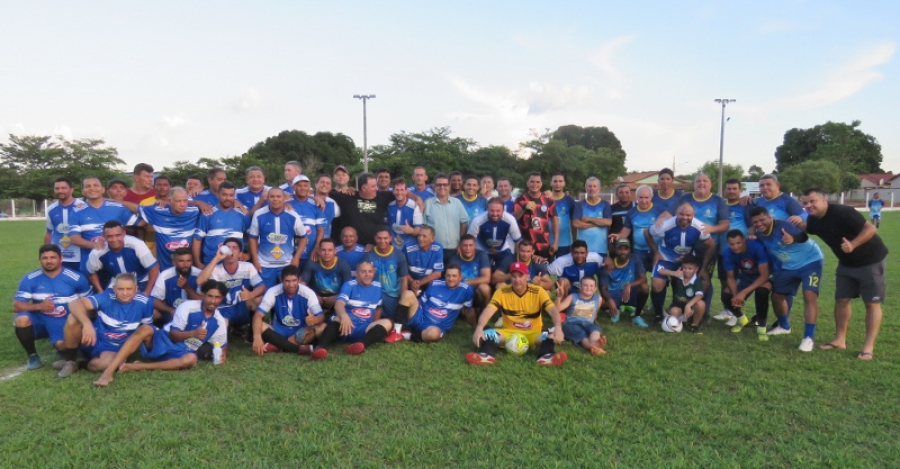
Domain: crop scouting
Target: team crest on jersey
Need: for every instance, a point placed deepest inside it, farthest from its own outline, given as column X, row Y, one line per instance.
column 543, row 208
column 438, row 312
column 708, row 213
column 58, row 312
column 62, row 228
column 523, row 325
column 173, row 245
column 683, row 250
column 290, row 321
column 362, row 313
column 277, row 252
column 276, row 238
column 178, row 302
column 689, row 292
column 747, row 264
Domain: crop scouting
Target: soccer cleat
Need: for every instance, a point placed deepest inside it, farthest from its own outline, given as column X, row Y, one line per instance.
column 732, row 321
column 806, row 345
column 69, row 369
column 639, row 321
column 355, row 348
column 761, row 334
column 616, row 317
column 723, row 316
column 305, row 350
column 59, row 364
column 553, row 359
column 270, row 348
column 627, row 310
column 394, row 336
column 319, row 354
column 480, row 359
column 658, row 319
column 34, row 361
column 695, row 329
column 740, row 323
column 778, row 330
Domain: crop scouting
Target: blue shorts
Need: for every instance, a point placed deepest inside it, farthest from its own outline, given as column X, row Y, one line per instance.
column 163, row 348
column 785, row 282
column 289, row 331
column 498, row 258
column 236, row 314
column 578, row 329
column 389, row 307
column 419, row 321
column 271, row 276
column 101, row 347
column 668, row 265
column 46, row 326
column 644, row 258
column 617, row 297
column 356, row 335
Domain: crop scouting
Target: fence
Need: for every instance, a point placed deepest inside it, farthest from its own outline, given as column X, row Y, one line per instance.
column 22, row 208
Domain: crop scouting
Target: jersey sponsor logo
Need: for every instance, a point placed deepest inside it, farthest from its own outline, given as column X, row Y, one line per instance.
column 58, row 312
column 277, row 252
column 233, row 283
column 65, row 241
column 682, row 250
column 276, row 238
column 438, row 312
column 116, row 336
column 62, row 228
column 173, row 245
column 523, row 325
column 290, row 321
column 193, row 343
column 494, row 243
column 362, row 313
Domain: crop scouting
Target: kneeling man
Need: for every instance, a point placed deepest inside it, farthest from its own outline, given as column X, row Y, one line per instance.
column 432, row 315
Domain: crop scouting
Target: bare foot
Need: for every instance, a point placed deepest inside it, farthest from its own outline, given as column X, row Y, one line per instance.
column 595, row 350
column 103, row 381
column 865, row 356
column 833, row 345
column 602, row 341
column 125, row 367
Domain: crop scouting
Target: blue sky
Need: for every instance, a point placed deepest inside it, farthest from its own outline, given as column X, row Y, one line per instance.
column 165, row 81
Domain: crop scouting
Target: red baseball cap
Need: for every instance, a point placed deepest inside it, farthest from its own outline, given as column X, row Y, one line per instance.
column 519, row 267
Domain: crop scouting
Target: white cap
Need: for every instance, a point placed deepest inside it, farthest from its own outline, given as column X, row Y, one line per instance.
column 298, row 178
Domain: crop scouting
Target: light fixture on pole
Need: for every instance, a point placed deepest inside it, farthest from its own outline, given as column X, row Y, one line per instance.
column 364, row 98
column 724, row 102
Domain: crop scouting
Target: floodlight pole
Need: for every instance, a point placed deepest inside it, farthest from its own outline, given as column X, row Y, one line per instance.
column 724, row 102
column 364, row 98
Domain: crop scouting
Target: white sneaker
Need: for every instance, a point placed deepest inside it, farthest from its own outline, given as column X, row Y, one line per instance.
column 723, row 316
column 778, row 330
column 806, row 345
column 732, row 321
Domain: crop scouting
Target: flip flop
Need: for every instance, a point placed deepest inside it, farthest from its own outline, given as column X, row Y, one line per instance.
column 830, row 346
column 865, row 356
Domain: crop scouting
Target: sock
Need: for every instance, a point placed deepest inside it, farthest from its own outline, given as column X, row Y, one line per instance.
column 658, row 298
column 641, row 303
column 279, row 341
column 547, row 346
column 726, row 300
column 488, row 347
column 783, row 322
column 205, row 351
column 415, row 335
column 68, row 354
column 400, row 317
column 374, row 335
column 761, row 295
column 330, row 334
column 26, row 338
column 809, row 331
column 737, row 312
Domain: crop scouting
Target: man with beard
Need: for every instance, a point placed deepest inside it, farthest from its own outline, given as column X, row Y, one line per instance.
column 243, row 283
column 272, row 232
column 122, row 254
column 174, row 286
column 60, row 215
column 226, row 221
column 86, row 230
column 293, row 310
column 496, row 232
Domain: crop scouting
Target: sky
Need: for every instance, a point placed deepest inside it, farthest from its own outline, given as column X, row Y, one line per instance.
column 165, row 81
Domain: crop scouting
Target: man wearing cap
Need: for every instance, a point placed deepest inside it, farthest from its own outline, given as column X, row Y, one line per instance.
column 310, row 214
column 341, row 178
column 520, row 305
column 116, row 189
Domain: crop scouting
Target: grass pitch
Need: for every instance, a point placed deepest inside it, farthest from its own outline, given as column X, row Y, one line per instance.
column 657, row 400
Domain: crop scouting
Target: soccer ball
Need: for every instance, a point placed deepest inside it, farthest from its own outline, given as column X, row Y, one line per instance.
column 672, row 324
column 516, row 344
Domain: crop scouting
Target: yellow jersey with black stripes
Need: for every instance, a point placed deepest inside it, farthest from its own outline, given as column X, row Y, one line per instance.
column 522, row 312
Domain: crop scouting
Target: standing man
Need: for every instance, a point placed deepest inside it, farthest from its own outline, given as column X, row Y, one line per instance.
column 619, row 210
column 292, row 169
column 311, row 216
column 86, row 231
column 331, row 211
column 446, row 215
column 193, row 185
column 365, row 210
column 142, row 187
column 535, row 210
column 391, row 271
column 214, row 177
column 403, row 216
column 253, row 195
column 737, row 220
column 496, row 232
column 122, row 254
column 174, row 225
column 226, row 221
column 244, row 285
column 456, row 184
column 666, row 194
column 487, row 187
column 593, row 217
column 383, row 178
column 116, row 189
column 472, row 201
column 875, row 206
column 341, row 178
column 60, row 217
column 504, row 191
column 272, row 232
column 777, row 203
column 565, row 205
column 420, row 186
column 862, row 259
column 641, row 218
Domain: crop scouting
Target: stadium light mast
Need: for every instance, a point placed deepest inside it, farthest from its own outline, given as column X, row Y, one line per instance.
column 724, row 102
column 364, row 98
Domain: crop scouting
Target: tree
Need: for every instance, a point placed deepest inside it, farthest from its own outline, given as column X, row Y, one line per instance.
column 822, row 174
column 755, row 173
column 577, row 152
column 845, row 145
column 729, row 171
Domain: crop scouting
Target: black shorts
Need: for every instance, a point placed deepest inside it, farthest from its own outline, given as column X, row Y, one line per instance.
column 866, row 282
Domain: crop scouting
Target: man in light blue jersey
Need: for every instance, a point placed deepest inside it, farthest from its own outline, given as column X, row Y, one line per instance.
column 174, row 226
column 196, row 328
column 87, row 230
column 496, row 232
column 432, row 315
column 272, row 232
column 403, row 216
column 391, row 271
column 41, row 301
column 778, row 204
column 471, row 200
column 797, row 261
column 174, row 286
column 226, row 221
column 294, row 314
column 565, row 205
column 875, row 206
column 504, row 192
column 122, row 254
column 252, row 196
column 639, row 219
column 424, row 259
column 350, row 250
column 305, row 206
column 60, row 215
column 292, row 169
column 592, row 218
column 244, row 284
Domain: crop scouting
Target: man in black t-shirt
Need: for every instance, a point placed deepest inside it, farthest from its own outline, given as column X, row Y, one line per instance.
column 861, row 258
column 365, row 210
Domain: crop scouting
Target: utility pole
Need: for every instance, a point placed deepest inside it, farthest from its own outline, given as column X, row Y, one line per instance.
column 364, row 98
column 724, row 102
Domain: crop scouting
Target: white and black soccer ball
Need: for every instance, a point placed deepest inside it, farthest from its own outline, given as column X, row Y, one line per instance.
column 671, row 324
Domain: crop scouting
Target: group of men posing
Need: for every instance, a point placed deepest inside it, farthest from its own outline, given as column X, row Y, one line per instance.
column 169, row 270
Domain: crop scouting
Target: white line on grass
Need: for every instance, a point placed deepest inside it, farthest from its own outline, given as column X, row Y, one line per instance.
column 12, row 374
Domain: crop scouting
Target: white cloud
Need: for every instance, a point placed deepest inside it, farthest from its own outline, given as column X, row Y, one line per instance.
column 175, row 121
column 250, row 99
column 604, row 59
column 544, row 97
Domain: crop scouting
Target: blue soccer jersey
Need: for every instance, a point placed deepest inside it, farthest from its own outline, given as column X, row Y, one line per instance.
column 782, row 206
column 423, row 262
column 565, row 267
column 564, row 208
column 60, row 219
column 189, row 316
column 638, row 221
column 361, row 302
column 510, row 205
column 166, row 288
column 244, row 276
column 440, row 305
column 390, row 268
column 312, row 219
column 352, row 257
column 710, row 211
column 666, row 204
column 65, row 287
column 326, row 280
column 287, row 188
column 398, row 216
column 207, row 197
column 745, row 265
column 595, row 236
column 620, row 276
column 677, row 242
column 425, row 194
column 172, row 231
column 248, row 198
column 134, row 257
column 332, row 211
column 495, row 236
column 275, row 234
column 474, row 207
column 737, row 218
column 116, row 321
column 289, row 313
column 792, row 256
column 534, row 268
column 215, row 228
column 89, row 222
column 471, row 268
column 875, row 206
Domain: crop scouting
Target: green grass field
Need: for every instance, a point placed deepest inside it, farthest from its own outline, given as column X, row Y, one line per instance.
column 657, row 400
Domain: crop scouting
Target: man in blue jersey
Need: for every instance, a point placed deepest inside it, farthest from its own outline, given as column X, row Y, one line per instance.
column 432, row 315
column 420, row 184
column 623, row 283
column 571, row 268
column 174, row 286
column 737, row 220
column 196, row 328
column 293, row 313
column 60, row 215
column 292, row 169
column 331, row 210
column 537, row 271
column 565, row 205
column 504, row 192
column 476, row 269
column 41, row 301
column 326, row 275
column 253, row 195
column 357, row 317
column 122, row 254
column 403, row 216
column 305, row 206
column 679, row 236
column 87, row 230
column 778, row 204
column 666, row 194
column 391, row 271
column 875, row 206
column 104, row 322
column 214, row 177
column 245, row 285
column 471, row 200
column 226, row 221
column 639, row 219
column 174, row 225
column 424, row 259
column 272, row 232
column 350, row 250
column 592, row 218
column 496, row 232
column 746, row 266
column 798, row 261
